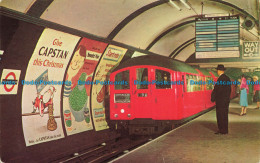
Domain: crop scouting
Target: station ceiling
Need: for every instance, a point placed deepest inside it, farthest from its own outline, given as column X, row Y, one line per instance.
column 152, row 25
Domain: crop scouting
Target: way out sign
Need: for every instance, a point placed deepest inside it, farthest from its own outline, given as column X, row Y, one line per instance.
column 9, row 81
column 251, row 49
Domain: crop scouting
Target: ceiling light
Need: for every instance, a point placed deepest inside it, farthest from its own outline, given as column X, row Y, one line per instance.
column 171, row 3
column 185, row 4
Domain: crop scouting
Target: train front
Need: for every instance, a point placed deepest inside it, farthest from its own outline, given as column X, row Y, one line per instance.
column 120, row 96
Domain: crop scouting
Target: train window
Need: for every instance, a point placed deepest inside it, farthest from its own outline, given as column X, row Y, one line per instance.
column 209, row 85
column 122, row 80
column 189, row 83
column 183, row 88
column 203, row 85
column 199, row 86
column 195, row 86
column 163, row 79
column 142, row 78
column 192, row 83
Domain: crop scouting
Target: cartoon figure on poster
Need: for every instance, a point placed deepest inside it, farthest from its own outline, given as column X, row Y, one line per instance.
column 44, row 99
column 76, row 96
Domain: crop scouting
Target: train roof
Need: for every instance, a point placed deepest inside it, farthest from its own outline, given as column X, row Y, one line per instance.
column 204, row 71
column 214, row 73
column 159, row 61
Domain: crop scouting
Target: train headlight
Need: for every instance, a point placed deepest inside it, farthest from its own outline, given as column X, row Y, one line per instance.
column 129, row 115
column 116, row 115
column 122, row 110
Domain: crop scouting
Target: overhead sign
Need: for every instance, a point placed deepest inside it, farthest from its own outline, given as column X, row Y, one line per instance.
column 217, row 37
column 251, row 49
column 9, row 81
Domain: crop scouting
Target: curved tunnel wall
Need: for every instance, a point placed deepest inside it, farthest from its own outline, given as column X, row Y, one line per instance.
column 49, row 119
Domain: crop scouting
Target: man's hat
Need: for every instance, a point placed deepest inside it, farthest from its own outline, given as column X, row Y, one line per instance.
column 221, row 67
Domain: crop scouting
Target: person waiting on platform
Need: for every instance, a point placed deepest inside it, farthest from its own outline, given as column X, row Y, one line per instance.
column 221, row 94
column 243, row 95
column 251, row 91
column 238, row 89
column 256, row 90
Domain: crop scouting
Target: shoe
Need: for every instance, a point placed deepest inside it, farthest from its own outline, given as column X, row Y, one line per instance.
column 241, row 114
column 219, row 133
column 244, row 114
column 256, row 108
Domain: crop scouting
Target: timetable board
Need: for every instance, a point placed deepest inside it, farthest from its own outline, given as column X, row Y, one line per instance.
column 217, row 37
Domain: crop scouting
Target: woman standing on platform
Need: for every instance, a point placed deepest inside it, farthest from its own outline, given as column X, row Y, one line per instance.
column 256, row 90
column 243, row 95
column 238, row 89
column 251, row 91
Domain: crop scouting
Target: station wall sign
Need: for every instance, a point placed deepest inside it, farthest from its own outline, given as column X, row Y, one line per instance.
column 9, row 81
column 251, row 49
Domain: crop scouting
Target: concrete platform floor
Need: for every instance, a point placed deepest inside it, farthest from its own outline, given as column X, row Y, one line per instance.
column 196, row 142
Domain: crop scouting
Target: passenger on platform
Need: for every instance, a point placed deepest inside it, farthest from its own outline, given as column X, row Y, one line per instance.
column 243, row 95
column 221, row 94
column 238, row 89
column 251, row 91
column 256, row 91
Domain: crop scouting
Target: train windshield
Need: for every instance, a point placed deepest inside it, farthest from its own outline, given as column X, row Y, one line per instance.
column 122, row 80
column 142, row 78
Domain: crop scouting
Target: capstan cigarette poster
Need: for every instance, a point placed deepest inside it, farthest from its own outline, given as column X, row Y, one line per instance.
column 41, row 104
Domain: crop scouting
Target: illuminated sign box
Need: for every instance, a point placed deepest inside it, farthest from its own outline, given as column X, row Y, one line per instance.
column 217, row 37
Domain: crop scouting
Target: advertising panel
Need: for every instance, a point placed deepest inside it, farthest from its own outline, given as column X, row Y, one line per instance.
column 41, row 110
column 112, row 56
column 76, row 95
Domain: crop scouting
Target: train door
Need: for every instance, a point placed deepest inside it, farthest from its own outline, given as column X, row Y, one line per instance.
column 163, row 94
column 141, row 95
column 192, row 96
column 180, row 95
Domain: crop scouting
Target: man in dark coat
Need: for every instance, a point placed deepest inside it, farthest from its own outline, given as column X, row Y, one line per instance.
column 221, row 94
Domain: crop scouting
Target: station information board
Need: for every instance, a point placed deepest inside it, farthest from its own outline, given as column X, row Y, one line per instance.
column 217, row 37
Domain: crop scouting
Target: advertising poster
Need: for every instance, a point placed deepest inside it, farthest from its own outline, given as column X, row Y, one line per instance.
column 9, row 82
column 76, row 96
column 41, row 97
column 112, row 56
column 251, row 49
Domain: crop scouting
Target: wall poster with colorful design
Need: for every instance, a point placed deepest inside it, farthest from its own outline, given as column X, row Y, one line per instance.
column 41, row 110
column 112, row 56
column 76, row 96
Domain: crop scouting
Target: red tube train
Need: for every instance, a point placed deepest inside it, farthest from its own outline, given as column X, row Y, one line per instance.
column 152, row 92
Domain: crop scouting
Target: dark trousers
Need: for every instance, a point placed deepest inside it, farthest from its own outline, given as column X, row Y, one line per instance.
column 222, row 116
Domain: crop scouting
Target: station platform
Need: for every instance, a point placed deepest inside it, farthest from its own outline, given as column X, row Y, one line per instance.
column 196, row 142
